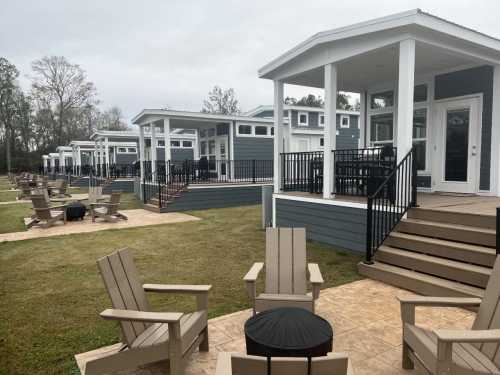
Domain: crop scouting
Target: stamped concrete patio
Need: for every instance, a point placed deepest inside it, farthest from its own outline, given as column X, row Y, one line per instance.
column 365, row 316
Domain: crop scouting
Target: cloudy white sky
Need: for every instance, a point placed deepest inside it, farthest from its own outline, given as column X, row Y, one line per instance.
column 157, row 53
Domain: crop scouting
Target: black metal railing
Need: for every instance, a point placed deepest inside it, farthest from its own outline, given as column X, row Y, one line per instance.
column 390, row 201
column 358, row 172
column 498, row 231
column 302, row 171
column 124, row 170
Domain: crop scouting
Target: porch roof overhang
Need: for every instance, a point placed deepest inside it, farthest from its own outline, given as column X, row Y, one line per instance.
column 263, row 108
column 82, row 144
column 64, row 149
column 367, row 53
column 192, row 120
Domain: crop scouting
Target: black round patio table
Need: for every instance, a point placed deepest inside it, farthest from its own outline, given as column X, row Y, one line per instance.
column 288, row 332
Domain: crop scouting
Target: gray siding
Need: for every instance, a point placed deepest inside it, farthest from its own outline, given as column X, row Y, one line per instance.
column 250, row 148
column 341, row 227
column 178, row 154
column 125, row 186
column 424, row 181
column 126, row 158
column 348, row 137
column 202, row 199
column 466, row 82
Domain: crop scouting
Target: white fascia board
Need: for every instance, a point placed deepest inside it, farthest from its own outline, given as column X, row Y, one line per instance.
column 286, row 107
column 400, row 20
column 330, row 202
column 297, row 131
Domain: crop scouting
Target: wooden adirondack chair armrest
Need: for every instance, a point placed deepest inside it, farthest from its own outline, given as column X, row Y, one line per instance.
column 141, row 316
column 467, row 335
column 62, row 206
column 179, row 289
column 223, row 364
column 251, row 277
column 315, row 278
column 103, row 204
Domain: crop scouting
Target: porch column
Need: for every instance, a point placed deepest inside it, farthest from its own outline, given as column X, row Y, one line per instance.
column 278, row 134
column 232, row 125
column 152, row 126
column 62, row 162
column 101, row 155
column 362, row 120
column 405, row 97
column 106, row 146
column 79, row 160
column 330, row 139
column 495, row 134
column 142, row 151
column 196, row 145
column 168, row 149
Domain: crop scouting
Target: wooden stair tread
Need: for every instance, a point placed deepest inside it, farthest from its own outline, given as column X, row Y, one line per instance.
column 437, row 241
column 450, row 226
column 435, row 260
column 447, row 216
column 439, row 286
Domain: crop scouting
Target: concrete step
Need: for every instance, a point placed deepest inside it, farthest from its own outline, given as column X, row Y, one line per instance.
column 442, row 216
column 445, row 231
column 469, row 253
column 447, row 269
column 418, row 282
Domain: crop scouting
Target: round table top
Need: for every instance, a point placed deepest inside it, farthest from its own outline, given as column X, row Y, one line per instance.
column 288, row 331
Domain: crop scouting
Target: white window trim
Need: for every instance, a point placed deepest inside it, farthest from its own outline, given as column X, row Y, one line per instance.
column 127, row 148
column 158, row 143
column 342, row 117
column 252, row 131
column 303, row 123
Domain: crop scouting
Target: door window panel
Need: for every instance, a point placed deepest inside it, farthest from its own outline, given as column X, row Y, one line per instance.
column 381, row 128
column 457, row 144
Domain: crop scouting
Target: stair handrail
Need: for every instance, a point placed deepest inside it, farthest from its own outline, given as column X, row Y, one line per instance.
column 392, row 198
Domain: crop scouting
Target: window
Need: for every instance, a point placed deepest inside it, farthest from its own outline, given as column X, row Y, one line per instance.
column 344, row 121
column 382, row 100
column 211, row 132
column 303, row 118
column 321, row 121
column 160, row 143
column 211, row 147
column 322, row 142
column 260, row 130
column 420, row 93
column 381, row 129
column 175, row 143
column 222, row 129
column 420, row 137
column 132, row 150
column 244, row 129
column 272, row 130
column 122, row 150
column 203, row 133
column 187, row 144
column 203, row 148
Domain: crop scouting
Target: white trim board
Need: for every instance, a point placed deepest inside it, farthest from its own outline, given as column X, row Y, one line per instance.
column 226, row 186
column 330, row 202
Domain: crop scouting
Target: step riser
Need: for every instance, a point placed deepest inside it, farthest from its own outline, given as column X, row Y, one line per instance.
column 473, row 220
column 479, row 279
column 452, row 234
column 417, row 286
column 438, row 250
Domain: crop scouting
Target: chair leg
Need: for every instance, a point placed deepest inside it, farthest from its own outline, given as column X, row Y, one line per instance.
column 204, row 346
column 406, row 360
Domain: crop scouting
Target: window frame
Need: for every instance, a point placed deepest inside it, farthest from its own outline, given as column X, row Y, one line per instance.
column 342, row 117
column 127, row 150
column 252, row 130
column 300, row 113
column 321, row 115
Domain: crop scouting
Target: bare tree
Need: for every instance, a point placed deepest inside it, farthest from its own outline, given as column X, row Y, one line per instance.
column 61, row 87
column 8, row 88
column 221, row 101
column 111, row 119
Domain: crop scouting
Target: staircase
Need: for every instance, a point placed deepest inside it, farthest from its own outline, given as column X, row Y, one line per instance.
column 438, row 253
column 166, row 194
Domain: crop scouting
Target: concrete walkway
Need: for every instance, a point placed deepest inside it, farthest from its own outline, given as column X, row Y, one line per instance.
column 365, row 317
column 136, row 218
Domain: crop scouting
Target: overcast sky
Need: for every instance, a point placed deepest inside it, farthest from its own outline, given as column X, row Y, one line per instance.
column 157, row 53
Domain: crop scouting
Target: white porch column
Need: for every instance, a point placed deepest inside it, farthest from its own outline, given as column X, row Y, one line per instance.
column 102, row 156
column 166, row 135
column 363, row 96
column 330, row 140
column 196, row 144
column 495, row 134
column 152, row 126
column 106, row 147
column 232, row 127
column 142, row 151
column 406, row 81
column 278, row 134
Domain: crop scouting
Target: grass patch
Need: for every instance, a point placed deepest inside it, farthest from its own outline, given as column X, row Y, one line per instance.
column 8, row 196
column 52, row 293
column 12, row 217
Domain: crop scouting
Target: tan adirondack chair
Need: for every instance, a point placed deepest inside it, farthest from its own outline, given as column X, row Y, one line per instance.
column 455, row 352
column 242, row 364
column 148, row 337
column 45, row 215
column 108, row 211
column 59, row 189
column 25, row 190
column 285, row 272
column 95, row 194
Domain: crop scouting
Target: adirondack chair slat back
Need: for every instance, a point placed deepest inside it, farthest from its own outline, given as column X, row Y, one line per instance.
column 41, row 207
column 95, row 193
column 286, row 260
column 125, row 290
column 114, row 200
column 488, row 316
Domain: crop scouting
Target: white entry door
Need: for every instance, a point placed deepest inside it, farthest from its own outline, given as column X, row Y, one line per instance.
column 456, row 161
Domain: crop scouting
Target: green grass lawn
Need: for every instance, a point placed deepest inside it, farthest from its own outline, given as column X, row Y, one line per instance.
column 8, row 196
column 51, row 291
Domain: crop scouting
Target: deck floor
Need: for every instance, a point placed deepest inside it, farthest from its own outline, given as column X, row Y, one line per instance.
column 365, row 317
column 460, row 203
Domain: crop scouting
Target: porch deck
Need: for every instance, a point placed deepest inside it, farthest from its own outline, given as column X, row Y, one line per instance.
column 460, row 203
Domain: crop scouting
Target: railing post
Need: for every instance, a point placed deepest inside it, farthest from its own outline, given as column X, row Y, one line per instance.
column 413, row 179
column 159, row 189
column 253, row 171
column 369, row 218
column 144, row 200
column 498, row 230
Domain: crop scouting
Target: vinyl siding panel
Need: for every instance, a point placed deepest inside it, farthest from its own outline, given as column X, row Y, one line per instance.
column 202, row 199
column 178, row 154
column 250, row 148
column 126, row 158
column 341, row 227
column 466, row 82
column 125, row 186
